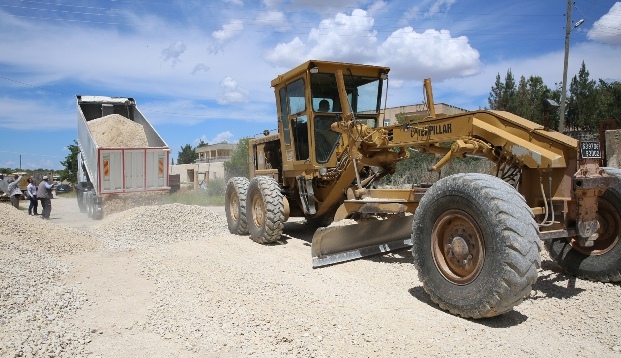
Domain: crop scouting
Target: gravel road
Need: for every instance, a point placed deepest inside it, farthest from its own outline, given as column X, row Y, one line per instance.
column 170, row 281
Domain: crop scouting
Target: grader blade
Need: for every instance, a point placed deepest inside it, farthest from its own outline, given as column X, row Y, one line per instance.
column 334, row 244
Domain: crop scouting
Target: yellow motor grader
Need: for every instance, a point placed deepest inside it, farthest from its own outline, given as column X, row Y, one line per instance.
column 475, row 237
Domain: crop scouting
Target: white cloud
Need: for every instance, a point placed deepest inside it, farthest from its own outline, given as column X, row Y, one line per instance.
column 230, row 30
column 426, row 9
column 351, row 38
column 431, row 53
column 608, row 28
column 235, row 2
column 341, row 38
column 272, row 3
column 200, row 67
column 232, row 92
column 225, row 136
column 273, row 19
column 174, row 51
column 439, row 6
column 288, row 54
column 377, row 7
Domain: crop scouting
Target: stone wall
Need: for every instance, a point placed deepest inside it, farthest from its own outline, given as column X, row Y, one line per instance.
column 613, row 148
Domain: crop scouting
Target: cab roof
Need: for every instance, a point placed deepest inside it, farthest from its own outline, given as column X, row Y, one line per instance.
column 331, row 67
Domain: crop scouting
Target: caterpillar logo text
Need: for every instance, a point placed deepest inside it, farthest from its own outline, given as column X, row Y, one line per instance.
column 432, row 130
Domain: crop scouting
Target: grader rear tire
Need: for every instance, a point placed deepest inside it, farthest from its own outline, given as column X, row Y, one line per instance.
column 235, row 205
column 476, row 245
column 601, row 262
column 265, row 210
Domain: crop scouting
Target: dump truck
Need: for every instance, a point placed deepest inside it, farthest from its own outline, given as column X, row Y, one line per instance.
column 475, row 238
column 120, row 153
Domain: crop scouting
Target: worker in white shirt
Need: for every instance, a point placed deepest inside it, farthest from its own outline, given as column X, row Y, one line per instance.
column 14, row 191
column 32, row 195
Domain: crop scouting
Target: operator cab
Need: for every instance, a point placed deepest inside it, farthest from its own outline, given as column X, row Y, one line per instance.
column 309, row 103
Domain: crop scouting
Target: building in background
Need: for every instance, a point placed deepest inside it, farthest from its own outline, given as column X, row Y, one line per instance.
column 209, row 166
column 220, row 152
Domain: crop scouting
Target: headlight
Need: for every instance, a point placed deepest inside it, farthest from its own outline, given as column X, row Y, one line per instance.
column 323, row 171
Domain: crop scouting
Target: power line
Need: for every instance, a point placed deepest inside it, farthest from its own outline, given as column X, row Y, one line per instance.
column 31, row 154
column 35, row 86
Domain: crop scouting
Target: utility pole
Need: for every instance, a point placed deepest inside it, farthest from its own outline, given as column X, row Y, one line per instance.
column 561, row 125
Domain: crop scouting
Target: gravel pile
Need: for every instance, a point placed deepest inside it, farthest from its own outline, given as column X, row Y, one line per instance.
column 115, row 203
column 43, row 235
column 116, row 131
column 147, row 226
column 34, row 302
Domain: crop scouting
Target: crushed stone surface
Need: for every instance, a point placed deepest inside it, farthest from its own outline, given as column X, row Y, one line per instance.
column 170, row 281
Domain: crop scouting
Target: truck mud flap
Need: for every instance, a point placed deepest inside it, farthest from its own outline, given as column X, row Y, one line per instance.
column 334, row 244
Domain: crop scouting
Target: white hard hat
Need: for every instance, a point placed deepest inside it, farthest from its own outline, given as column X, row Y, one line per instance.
column 45, row 177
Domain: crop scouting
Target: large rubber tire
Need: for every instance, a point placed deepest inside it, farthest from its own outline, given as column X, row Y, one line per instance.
column 602, row 262
column 475, row 245
column 235, row 205
column 80, row 199
column 265, row 210
column 89, row 205
column 97, row 214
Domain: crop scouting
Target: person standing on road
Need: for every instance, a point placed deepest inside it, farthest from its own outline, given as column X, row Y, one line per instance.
column 32, row 195
column 14, row 191
column 44, row 193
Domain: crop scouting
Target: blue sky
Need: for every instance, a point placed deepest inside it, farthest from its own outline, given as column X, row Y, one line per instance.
column 202, row 69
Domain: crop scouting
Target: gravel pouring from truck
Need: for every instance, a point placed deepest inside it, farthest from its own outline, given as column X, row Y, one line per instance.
column 120, row 155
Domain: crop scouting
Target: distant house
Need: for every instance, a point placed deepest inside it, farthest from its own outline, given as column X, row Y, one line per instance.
column 220, row 152
column 208, row 166
column 442, row 110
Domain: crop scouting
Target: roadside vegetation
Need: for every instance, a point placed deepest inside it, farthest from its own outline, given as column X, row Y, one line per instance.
column 212, row 195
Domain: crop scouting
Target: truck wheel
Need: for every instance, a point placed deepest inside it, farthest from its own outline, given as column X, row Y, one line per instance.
column 97, row 214
column 81, row 205
column 265, row 210
column 602, row 261
column 235, row 205
column 89, row 205
column 475, row 245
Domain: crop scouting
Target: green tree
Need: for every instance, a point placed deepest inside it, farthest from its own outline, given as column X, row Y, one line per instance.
column 201, row 144
column 70, row 164
column 187, row 155
column 239, row 165
column 509, row 94
column 609, row 100
column 496, row 94
column 582, row 102
column 503, row 96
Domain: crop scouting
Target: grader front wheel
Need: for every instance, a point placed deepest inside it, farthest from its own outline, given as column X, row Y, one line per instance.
column 475, row 245
column 265, row 210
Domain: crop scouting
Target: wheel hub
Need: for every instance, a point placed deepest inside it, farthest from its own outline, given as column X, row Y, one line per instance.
column 257, row 212
column 608, row 233
column 458, row 247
